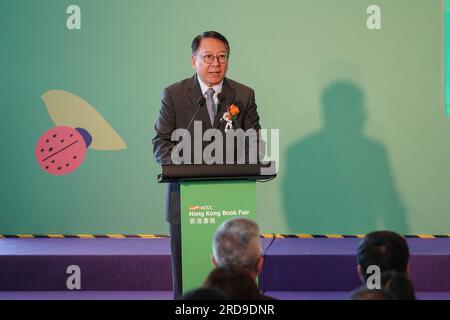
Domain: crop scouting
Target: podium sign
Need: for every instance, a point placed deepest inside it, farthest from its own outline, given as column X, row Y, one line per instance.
column 205, row 205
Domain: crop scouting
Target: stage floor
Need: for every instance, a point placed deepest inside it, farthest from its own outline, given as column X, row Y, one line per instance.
column 140, row 269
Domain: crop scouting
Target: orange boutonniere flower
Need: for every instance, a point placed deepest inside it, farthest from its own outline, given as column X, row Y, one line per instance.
column 233, row 111
column 231, row 114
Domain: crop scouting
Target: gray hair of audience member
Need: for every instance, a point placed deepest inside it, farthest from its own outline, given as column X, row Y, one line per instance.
column 236, row 243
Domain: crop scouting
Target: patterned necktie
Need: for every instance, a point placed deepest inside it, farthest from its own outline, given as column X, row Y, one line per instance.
column 210, row 104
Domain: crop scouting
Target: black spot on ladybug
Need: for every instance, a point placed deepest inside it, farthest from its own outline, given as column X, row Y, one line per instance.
column 62, row 140
column 67, row 164
column 47, row 141
column 54, row 136
column 71, row 134
column 42, row 150
column 46, row 167
column 59, row 168
column 74, row 157
column 53, row 161
column 50, row 149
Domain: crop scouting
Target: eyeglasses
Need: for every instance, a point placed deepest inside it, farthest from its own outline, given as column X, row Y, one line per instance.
column 209, row 58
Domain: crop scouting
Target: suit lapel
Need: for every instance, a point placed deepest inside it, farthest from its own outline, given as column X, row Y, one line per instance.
column 194, row 93
column 229, row 95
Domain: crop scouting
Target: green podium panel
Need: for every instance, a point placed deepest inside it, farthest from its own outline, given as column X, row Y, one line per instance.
column 204, row 207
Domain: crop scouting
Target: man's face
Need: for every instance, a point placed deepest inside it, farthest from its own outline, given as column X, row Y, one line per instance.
column 213, row 73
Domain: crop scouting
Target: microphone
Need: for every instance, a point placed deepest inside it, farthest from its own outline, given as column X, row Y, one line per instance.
column 221, row 97
column 200, row 102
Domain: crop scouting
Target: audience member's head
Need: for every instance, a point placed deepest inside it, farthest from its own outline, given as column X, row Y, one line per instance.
column 385, row 249
column 203, row 294
column 236, row 243
column 235, row 283
column 398, row 285
column 363, row 293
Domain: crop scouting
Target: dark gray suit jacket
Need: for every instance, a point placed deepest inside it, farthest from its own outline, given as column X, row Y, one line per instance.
column 178, row 105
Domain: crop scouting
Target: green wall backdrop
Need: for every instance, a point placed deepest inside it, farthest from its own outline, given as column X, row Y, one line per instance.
column 364, row 142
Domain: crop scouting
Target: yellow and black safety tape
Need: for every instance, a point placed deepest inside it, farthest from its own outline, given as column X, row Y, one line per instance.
column 156, row 236
column 342, row 236
column 83, row 236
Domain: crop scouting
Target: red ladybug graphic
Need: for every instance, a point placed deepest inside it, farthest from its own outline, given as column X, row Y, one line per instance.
column 62, row 149
column 79, row 126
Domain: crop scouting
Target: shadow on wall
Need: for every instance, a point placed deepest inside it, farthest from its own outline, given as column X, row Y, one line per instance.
column 337, row 181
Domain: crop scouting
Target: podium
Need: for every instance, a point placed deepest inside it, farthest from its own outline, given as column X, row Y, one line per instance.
column 210, row 195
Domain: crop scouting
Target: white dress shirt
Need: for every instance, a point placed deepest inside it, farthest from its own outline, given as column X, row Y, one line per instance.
column 217, row 89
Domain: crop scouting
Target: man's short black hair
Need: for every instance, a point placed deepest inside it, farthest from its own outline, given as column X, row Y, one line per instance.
column 388, row 250
column 398, row 285
column 203, row 294
column 209, row 34
column 362, row 293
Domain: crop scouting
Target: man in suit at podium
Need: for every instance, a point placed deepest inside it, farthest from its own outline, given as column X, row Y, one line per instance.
column 205, row 97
